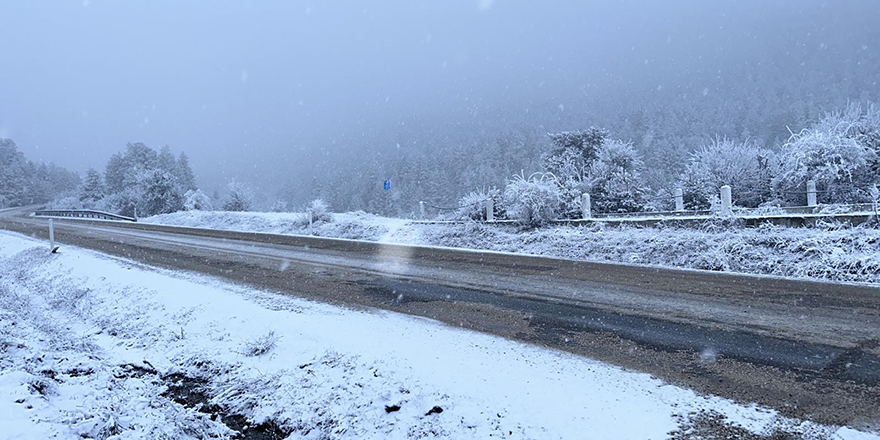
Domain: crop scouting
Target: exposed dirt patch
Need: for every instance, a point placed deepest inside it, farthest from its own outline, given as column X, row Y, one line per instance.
column 191, row 393
column 711, row 425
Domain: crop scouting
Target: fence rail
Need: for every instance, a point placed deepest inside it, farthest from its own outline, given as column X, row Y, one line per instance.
column 82, row 213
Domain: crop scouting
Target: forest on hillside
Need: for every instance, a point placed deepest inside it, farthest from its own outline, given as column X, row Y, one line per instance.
column 24, row 182
column 838, row 148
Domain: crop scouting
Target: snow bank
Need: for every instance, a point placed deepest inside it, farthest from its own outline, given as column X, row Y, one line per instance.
column 97, row 347
column 355, row 225
column 829, row 251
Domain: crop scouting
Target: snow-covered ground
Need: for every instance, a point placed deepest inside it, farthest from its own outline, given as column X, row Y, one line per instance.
column 100, row 347
column 828, row 251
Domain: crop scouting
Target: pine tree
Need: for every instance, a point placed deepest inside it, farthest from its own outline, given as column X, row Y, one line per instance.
column 185, row 177
column 160, row 193
column 93, row 187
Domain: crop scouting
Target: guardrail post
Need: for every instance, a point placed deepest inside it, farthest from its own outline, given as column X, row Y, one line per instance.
column 490, row 210
column 726, row 201
column 51, row 235
column 311, row 220
column 679, row 199
column 811, row 193
column 421, row 210
column 586, row 211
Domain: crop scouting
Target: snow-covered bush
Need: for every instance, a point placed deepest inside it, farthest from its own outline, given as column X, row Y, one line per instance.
column 616, row 183
column 240, row 197
column 829, row 251
column 125, row 202
column 743, row 165
column 532, row 201
column 316, row 211
column 279, row 206
column 320, row 211
column 70, row 202
column 196, row 200
column 472, row 206
column 261, row 345
column 840, row 153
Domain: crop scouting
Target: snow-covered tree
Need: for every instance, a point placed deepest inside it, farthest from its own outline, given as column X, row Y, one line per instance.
column 616, row 183
column 569, row 160
column 573, row 151
column 196, row 200
column 185, row 177
column 160, row 193
column 532, row 201
column 240, row 197
column 93, row 187
column 24, row 182
column 146, row 182
column 743, row 165
column 839, row 152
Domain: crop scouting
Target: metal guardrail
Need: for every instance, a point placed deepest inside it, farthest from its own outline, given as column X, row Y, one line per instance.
column 82, row 213
column 781, row 210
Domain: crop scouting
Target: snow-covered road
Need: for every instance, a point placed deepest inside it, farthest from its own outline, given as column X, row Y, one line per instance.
column 71, row 322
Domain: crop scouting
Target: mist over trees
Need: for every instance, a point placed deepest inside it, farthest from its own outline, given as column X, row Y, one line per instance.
column 24, row 182
column 445, row 98
column 839, row 149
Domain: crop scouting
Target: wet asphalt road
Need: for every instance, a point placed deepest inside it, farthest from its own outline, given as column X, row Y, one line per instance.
column 808, row 349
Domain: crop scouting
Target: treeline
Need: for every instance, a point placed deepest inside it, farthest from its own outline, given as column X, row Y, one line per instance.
column 139, row 181
column 839, row 151
column 24, row 182
column 142, row 182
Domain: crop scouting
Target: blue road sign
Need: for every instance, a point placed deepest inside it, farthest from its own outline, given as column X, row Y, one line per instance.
column 386, row 185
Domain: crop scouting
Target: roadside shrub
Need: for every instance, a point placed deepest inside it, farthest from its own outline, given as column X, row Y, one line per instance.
column 261, row 345
column 240, row 197
column 320, row 211
column 532, row 201
column 743, row 165
column 196, row 200
column 472, row 206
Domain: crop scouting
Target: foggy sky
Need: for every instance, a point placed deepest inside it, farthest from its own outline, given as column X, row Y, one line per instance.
column 255, row 90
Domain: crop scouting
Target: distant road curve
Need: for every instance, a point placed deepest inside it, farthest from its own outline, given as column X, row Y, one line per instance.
column 807, row 348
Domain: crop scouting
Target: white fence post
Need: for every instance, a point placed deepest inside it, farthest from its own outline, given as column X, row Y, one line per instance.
column 726, row 201
column 679, row 199
column 811, row 193
column 51, row 235
column 490, row 210
column 421, row 210
column 586, row 210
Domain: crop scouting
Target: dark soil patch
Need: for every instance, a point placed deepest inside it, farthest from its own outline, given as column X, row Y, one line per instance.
column 191, row 393
column 711, row 425
column 434, row 410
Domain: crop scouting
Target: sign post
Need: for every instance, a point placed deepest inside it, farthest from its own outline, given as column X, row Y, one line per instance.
column 52, row 247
